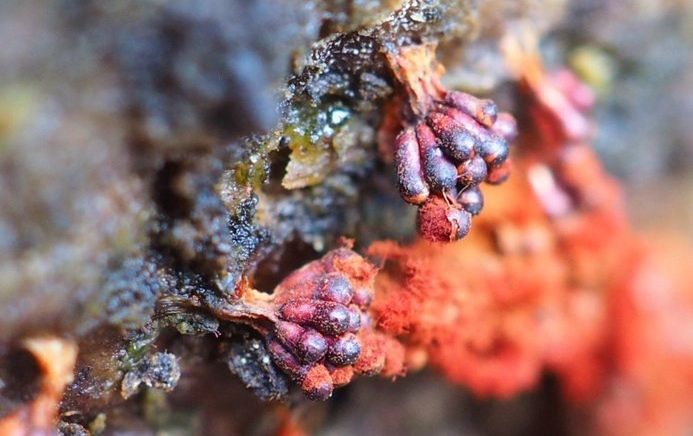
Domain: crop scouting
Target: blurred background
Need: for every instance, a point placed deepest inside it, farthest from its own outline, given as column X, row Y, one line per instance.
column 97, row 97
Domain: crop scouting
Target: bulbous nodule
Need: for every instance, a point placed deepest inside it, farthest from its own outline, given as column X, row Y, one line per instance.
column 335, row 287
column 344, row 350
column 327, row 317
column 494, row 151
column 471, row 172
column 440, row 173
column 410, row 175
column 455, row 142
column 471, row 200
column 483, row 110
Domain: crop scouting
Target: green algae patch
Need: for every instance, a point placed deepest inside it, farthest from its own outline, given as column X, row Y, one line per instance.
column 310, row 133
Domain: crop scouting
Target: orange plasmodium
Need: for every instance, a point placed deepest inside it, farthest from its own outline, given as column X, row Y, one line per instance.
column 525, row 292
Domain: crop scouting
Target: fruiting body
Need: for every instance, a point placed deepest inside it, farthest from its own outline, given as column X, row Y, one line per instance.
column 472, row 172
column 317, row 317
column 439, row 172
column 461, row 142
column 412, row 186
column 472, row 200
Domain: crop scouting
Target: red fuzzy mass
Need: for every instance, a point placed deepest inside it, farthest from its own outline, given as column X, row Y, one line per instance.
column 439, row 221
column 524, row 293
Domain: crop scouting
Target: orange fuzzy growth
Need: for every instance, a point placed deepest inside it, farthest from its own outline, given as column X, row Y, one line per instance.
column 394, row 352
column 317, row 383
column 380, row 354
column 360, row 272
column 485, row 340
column 550, row 278
column 371, row 360
column 495, row 310
column 434, row 222
column 342, row 376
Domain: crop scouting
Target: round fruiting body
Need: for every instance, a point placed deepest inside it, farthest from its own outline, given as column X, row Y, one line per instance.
column 471, row 200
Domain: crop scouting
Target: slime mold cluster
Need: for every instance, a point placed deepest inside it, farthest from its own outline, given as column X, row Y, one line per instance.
column 232, row 217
